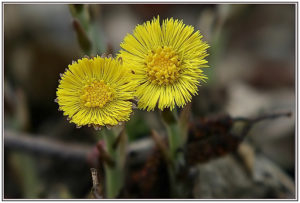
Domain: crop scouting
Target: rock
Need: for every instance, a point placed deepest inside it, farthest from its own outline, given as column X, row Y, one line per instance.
column 227, row 177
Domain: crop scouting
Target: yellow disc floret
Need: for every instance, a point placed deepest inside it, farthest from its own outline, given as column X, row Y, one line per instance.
column 96, row 94
column 162, row 66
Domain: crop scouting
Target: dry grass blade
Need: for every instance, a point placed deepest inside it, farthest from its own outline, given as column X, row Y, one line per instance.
column 82, row 36
column 184, row 120
column 161, row 146
column 104, row 156
column 97, row 189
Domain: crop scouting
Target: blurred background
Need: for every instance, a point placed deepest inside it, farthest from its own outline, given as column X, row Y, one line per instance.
column 252, row 71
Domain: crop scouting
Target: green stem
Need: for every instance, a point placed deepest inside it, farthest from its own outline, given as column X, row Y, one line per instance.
column 175, row 140
column 174, row 134
column 175, row 145
column 113, row 174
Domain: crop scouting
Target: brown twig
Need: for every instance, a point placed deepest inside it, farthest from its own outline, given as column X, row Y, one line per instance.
column 41, row 146
column 96, row 189
column 264, row 117
column 251, row 121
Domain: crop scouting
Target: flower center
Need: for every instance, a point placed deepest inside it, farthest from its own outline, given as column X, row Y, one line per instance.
column 162, row 66
column 96, row 94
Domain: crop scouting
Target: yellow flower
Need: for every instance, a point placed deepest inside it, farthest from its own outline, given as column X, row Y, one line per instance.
column 166, row 61
column 96, row 92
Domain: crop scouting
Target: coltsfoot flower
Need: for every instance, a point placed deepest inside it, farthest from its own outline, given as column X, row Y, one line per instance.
column 166, row 61
column 96, row 92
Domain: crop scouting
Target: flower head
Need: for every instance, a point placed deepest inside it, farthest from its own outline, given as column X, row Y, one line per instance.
column 96, row 92
column 166, row 61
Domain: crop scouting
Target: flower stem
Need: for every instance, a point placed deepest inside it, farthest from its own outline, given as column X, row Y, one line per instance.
column 113, row 174
column 176, row 142
column 174, row 134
